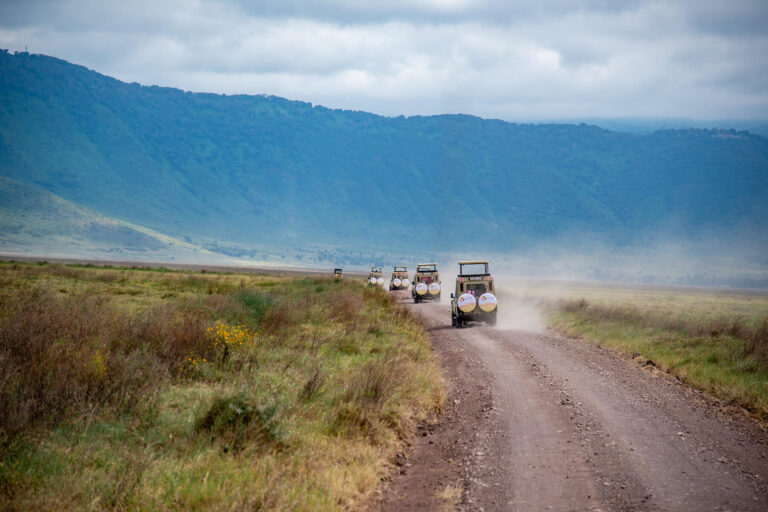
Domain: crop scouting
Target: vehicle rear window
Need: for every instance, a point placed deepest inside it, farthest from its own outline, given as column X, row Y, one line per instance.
column 470, row 269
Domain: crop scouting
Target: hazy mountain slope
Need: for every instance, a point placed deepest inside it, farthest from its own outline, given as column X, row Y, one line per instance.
column 264, row 170
column 38, row 222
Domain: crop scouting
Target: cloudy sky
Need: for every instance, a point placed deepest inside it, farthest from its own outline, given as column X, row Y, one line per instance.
column 509, row 59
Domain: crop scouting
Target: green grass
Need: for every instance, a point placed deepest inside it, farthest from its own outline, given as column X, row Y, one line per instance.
column 138, row 389
column 714, row 340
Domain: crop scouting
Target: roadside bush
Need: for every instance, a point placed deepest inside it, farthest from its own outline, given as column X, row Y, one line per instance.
column 237, row 419
column 345, row 306
column 574, row 305
column 757, row 343
column 368, row 389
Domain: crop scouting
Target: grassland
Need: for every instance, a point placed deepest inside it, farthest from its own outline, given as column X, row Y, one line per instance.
column 717, row 340
column 142, row 389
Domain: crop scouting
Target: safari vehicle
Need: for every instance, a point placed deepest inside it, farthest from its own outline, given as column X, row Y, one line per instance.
column 426, row 283
column 376, row 276
column 399, row 279
column 337, row 273
column 474, row 299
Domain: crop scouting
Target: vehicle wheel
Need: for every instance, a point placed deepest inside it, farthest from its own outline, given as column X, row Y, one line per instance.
column 453, row 320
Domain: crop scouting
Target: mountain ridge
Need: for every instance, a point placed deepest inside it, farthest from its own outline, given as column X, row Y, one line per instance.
column 263, row 170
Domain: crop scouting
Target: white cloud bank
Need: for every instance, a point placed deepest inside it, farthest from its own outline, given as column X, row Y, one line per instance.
column 510, row 60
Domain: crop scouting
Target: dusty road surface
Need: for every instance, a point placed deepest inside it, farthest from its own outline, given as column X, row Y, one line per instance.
column 537, row 422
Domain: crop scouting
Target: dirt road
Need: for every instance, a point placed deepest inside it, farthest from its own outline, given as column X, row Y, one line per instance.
column 539, row 422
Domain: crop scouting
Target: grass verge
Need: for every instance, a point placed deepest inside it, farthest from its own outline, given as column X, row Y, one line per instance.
column 717, row 342
column 137, row 389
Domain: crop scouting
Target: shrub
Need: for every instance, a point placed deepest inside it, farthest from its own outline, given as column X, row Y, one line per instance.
column 574, row 305
column 256, row 304
column 757, row 343
column 313, row 385
column 68, row 354
column 345, row 308
column 368, row 390
column 237, row 419
column 285, row 314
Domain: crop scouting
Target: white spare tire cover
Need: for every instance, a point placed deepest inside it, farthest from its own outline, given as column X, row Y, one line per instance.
column 406, row 282
column 380, row 280
column 421, row 289
column 434, row 288
column 487, row 302
column 396, row 281
column 466, row 303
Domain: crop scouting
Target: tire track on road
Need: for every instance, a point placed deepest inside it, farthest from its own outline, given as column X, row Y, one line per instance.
column 542, row 422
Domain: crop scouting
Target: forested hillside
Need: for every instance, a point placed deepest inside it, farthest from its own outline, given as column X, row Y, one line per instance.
column 262, row 170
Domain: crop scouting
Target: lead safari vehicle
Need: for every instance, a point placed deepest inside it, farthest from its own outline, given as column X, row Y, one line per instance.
column 399, row 279
column 337, row 273
column 474, row 299
column 376, row 277
column 426, row 283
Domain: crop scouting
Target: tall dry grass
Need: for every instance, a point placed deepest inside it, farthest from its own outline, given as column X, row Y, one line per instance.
column 65, row 355
column 202, row 390
column 757, row 343
column 753, row 335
